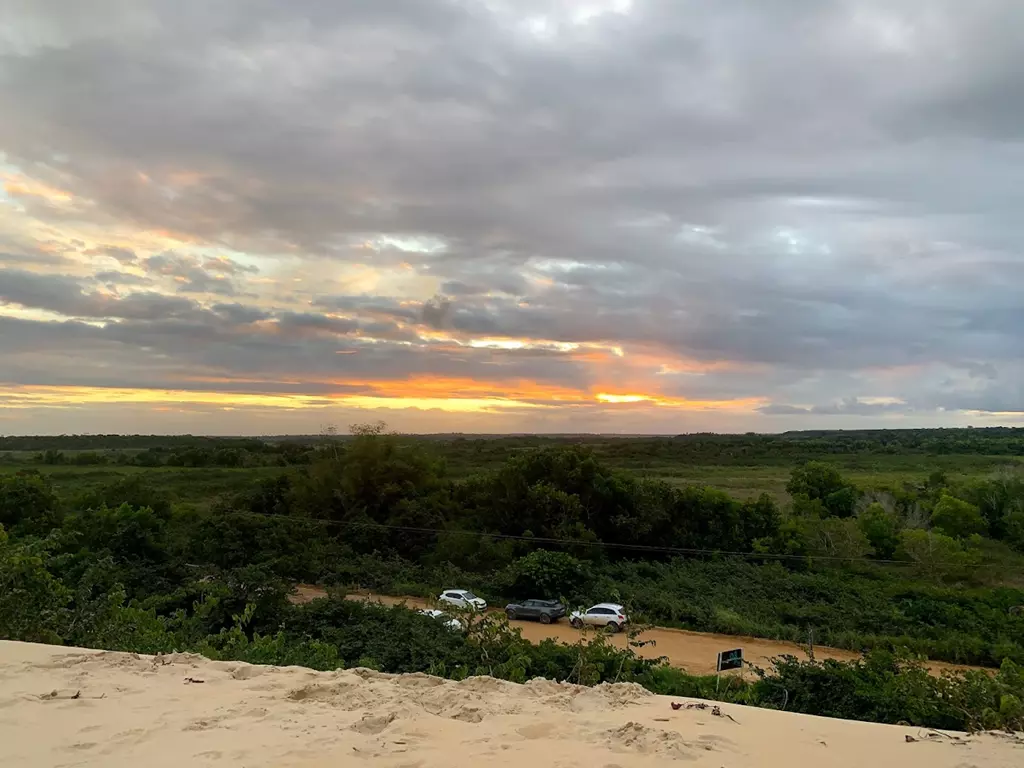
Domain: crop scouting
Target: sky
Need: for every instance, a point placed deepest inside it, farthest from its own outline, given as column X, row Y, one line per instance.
column 614, row 216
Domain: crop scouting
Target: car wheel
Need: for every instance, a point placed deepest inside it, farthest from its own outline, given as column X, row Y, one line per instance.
column 613, row 627
column 545, row 618
column 511, row 614
column 577, row 623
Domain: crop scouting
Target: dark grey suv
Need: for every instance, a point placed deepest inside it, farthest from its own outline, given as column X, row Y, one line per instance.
column 545, row 611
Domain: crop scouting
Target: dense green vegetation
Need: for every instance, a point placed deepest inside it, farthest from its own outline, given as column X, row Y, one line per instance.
column 197, row 469
column 200, row 553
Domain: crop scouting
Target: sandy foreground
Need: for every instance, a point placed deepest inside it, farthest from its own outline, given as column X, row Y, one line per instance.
column 69, row 707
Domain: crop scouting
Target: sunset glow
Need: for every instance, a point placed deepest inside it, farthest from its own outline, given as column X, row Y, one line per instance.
column 557, row 219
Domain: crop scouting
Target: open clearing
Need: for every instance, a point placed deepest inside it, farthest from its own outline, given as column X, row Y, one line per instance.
column 696, row 652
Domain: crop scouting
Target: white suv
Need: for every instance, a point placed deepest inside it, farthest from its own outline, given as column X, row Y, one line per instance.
column 610, row 615
column 463, row 598
column 453, row 624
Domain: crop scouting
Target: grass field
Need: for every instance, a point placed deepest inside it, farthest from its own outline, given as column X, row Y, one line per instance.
column 201, row 486
column 749, row 482
column 197, row 488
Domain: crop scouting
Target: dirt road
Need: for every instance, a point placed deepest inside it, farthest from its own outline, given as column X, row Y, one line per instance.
column 696, row 652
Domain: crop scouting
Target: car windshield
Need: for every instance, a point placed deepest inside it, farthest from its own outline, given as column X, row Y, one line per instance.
column 469, row 595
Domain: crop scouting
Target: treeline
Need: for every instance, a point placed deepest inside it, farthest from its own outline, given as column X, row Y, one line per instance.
column 698, row 449
column 226, row 454
column 791, row 447
column 41, row 443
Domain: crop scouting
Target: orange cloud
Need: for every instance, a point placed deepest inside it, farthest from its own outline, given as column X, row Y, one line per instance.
column 186, row 178
column 451, row 395
column 19, row 185
column 521, row 393
column 516, row 393
column 739, row 404
column 57, row 397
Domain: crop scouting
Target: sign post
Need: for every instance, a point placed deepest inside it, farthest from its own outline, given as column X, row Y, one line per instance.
column 728, row 660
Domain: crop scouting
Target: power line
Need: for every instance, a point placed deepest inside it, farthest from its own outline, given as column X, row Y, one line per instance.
column 605, row 544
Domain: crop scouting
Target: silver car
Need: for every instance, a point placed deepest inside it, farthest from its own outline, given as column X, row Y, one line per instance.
column 612, row 616
column 463, row 598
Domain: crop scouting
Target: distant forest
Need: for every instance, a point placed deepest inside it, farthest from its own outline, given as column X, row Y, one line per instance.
column 704, row 448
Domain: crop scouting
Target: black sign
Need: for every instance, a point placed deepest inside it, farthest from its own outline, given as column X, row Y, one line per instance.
column 730, row 659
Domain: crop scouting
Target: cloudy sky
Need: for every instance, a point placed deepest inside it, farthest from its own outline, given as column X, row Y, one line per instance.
column 253, row 216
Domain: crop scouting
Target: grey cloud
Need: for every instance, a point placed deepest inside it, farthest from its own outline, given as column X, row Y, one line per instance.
column 975, row 388
column 388, row 331
column 30, row 257
column 992, row 401
column 162, row 343
column 65, row 295
column 436, row 312
column 194, row 275
column 982, row 370
column 239, row 313
column 459, row 288
column 56, row 293
column 116, row 277
column 374, row 306
column 224, row 265
column 290, row 322
column 812, row 189
column 504, row 283
column 30, row 336
column 854, row 406
column 154, row 306
column 781, row 409
column 850, row 406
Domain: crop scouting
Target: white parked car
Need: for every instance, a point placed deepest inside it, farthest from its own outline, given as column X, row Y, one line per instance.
column 463, row 598
column 453, row 624
column 609, row 615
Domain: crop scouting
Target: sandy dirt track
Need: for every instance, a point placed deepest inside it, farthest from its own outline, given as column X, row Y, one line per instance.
column 72, row 707
column 696, row 652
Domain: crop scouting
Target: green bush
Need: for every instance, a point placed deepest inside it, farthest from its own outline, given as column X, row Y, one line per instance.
column 28, row 504
column 550, row 575
column 33, row 603
column 881, row 528
column 957, row 518
column 935, row 555
column 822, row 482
column 890, row 687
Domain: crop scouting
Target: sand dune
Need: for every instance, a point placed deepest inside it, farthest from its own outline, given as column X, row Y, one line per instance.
column 69, row 707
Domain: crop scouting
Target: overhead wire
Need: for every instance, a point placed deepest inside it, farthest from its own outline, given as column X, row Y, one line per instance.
column 693, row 551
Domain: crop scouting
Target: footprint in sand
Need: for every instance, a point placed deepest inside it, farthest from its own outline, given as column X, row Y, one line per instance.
column 204, row 724
column 134, row 734
column 536, row 731
column 374, row 724
column 246, row 672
